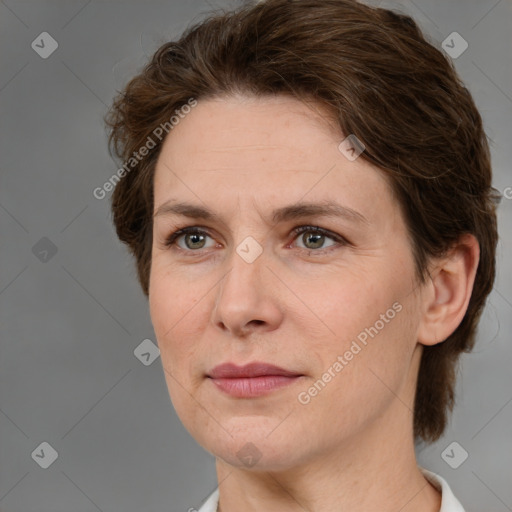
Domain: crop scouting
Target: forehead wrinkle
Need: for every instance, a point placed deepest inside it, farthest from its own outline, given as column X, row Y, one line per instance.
column 248, row 146
column 220, row 169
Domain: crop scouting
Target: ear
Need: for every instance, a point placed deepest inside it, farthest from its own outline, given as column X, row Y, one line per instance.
column 446, row 296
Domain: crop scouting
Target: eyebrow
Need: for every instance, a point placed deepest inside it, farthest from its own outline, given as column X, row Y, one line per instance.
column 285, row 213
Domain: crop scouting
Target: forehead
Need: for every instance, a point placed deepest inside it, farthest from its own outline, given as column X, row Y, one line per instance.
column 259, row 149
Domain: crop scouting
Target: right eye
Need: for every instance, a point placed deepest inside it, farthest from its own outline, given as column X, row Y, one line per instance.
column 193, row 238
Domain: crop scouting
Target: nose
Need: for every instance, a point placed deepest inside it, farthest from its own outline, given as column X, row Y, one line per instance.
column 246, row 299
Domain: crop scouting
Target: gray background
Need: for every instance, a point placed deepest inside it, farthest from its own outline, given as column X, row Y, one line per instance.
column 72, row 320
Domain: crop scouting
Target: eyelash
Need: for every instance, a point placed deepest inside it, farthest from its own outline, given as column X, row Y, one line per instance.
column 194, row 230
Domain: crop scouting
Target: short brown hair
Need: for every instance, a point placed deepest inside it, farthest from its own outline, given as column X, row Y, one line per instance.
column 383, row 82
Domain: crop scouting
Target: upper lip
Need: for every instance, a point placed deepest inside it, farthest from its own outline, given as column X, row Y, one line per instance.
column 255, row 369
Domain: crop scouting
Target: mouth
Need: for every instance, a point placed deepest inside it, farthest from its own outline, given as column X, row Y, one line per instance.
column 252, row 380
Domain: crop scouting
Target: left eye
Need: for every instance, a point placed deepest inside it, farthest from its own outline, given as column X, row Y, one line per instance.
column 314, row 237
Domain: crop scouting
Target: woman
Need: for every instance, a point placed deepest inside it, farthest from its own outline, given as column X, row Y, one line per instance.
column 306, row 190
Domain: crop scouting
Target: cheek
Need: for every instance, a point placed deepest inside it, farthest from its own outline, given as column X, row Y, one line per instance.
column 369, row 377
column 371, row 324
column 172, row 306
column 348, row 301
column 172, row 294
column 175, row 320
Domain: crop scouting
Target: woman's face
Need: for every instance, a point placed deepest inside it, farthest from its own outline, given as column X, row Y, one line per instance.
column 338, row 309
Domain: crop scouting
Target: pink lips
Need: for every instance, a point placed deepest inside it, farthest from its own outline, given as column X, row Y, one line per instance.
column 252, row 380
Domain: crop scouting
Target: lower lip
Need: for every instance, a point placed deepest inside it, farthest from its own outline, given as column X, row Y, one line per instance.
column 254, row 386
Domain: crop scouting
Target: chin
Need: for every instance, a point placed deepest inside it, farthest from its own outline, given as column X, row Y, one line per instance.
column 255, row 447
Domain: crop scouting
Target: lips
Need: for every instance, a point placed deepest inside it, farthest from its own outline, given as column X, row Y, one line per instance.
column 251, row 370
column 252, row 380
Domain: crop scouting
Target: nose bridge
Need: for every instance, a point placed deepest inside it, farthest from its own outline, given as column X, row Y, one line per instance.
column 245, row 294
column 246, row 258
column 245, row 279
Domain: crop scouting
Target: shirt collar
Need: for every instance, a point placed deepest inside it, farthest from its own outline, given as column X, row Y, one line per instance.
column 449, row 503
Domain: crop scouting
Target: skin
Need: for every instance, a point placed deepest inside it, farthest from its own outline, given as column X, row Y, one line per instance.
column 299, row 305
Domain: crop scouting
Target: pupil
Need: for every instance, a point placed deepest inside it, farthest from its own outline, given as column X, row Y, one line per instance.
column 319, row 238
column 195, row 237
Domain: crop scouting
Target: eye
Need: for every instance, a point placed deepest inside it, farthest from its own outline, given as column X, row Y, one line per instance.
column 313, row 237
column 193, row 238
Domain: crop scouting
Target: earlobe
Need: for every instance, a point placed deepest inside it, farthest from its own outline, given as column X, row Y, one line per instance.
column 448, row 292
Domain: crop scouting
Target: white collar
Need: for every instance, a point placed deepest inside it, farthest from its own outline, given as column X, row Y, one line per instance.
column 449, row 503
